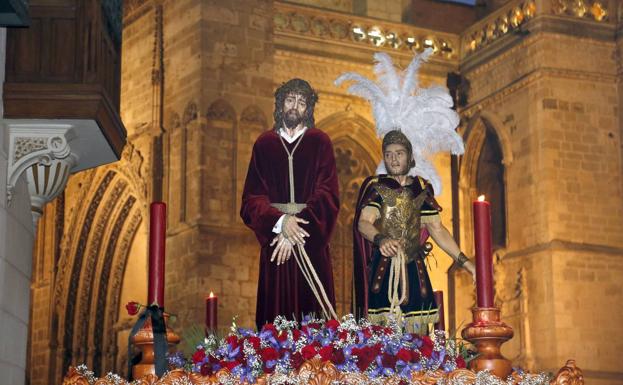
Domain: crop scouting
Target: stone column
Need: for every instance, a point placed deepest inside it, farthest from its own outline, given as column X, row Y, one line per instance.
column 16, row 241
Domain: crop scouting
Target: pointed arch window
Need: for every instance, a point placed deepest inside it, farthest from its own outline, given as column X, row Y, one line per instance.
column 490, row 181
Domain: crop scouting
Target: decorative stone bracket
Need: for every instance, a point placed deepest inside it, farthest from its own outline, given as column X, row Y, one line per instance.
column 42, row 152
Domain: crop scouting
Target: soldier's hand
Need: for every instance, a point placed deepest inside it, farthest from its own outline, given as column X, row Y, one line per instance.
column 292, row 231
column 469, row 266
column 389, row 247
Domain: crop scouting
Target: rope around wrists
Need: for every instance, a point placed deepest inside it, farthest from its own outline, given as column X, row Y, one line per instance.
column 283, row 226
column 378, row 238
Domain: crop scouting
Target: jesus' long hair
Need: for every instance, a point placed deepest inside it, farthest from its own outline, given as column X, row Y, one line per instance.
column 296, row 86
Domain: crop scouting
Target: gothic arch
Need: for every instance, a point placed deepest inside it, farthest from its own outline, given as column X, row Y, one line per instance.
column 474, row 136
column 479, row 129
column 483, row 130
column 352, row 125
column 88, row 291
column 357, row 152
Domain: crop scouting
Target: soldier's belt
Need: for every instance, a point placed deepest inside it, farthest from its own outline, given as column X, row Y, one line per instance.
column 289, row 208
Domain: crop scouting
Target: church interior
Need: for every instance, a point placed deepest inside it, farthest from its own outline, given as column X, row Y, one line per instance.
column 110, row 105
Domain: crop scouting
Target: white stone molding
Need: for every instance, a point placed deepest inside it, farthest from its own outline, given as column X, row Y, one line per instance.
column 41, row 152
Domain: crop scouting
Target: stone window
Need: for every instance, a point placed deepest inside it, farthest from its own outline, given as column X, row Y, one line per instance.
column 490, row 182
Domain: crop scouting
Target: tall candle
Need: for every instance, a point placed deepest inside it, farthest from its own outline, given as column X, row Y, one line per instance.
column 441, row 324
column 484, row 256
column 211, row 312
column 157, row 238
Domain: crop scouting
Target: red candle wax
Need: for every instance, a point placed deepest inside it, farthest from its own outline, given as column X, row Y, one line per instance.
column 211, row 312
column 441, row 324
column 484, row 256
column 157, row 238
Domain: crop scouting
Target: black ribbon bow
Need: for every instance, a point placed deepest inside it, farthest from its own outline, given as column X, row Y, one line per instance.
column 159, row 330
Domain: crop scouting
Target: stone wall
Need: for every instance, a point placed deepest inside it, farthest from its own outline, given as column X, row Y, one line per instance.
column 16, row 242
column 555, row 107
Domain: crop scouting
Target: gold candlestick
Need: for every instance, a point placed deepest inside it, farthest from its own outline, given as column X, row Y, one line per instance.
column 488, row 334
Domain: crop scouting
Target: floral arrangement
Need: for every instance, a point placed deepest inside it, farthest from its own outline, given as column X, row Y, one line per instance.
column 352, row 346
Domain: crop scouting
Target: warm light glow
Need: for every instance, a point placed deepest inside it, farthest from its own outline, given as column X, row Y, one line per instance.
column 211, row 295
column 481, row 198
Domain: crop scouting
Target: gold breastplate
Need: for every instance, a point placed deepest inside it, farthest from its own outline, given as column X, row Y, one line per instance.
column 400, row 216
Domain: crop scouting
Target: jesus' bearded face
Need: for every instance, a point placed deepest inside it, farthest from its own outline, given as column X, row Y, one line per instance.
column 294, row 107
column 396, row 158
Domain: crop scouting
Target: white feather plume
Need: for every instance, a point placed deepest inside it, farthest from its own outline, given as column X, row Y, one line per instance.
column 424, row 115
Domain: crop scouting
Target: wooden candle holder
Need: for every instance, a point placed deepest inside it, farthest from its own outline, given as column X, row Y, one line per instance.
column 144, row 340
column 488, row 334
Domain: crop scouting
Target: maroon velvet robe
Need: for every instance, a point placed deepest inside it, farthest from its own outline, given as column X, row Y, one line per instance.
column 282, row 290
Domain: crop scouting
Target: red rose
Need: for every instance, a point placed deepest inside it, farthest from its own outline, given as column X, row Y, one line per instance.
column 296, row 360
column 213, row 360
column 427, row 341
column 269, row 354
column 206, row 369
column 229, row 365
column 255, row 342
column 296, row 334
column 404, row 355
column 282, row 336
column 364, row 361
column 326, row 353
column 388, row 361
column 132, row 308
column 415, row 355
column 308, row 352
column 232, row 341
column 199, row 356
column 338, row 357
column 270, row 327
column 332, row 324
column 460, row 363
column 343, row 335
column 376, row 349
column 367, row 333
column 365, row 356
column 426, row 350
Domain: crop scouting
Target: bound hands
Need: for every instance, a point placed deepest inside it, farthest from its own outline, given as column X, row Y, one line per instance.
column 283, row 251
column 291, row 235
column 292, row 231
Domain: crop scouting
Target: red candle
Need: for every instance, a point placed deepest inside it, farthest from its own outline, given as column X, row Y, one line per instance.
column 211, row 312
column 484, row 256
column 441, row 324
column 157, row 237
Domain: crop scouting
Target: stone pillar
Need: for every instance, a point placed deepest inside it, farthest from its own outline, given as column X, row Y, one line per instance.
column 16, row 241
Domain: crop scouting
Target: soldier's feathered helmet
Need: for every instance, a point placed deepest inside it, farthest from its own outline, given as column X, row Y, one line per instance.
column 296, row 86
column 397, row 137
